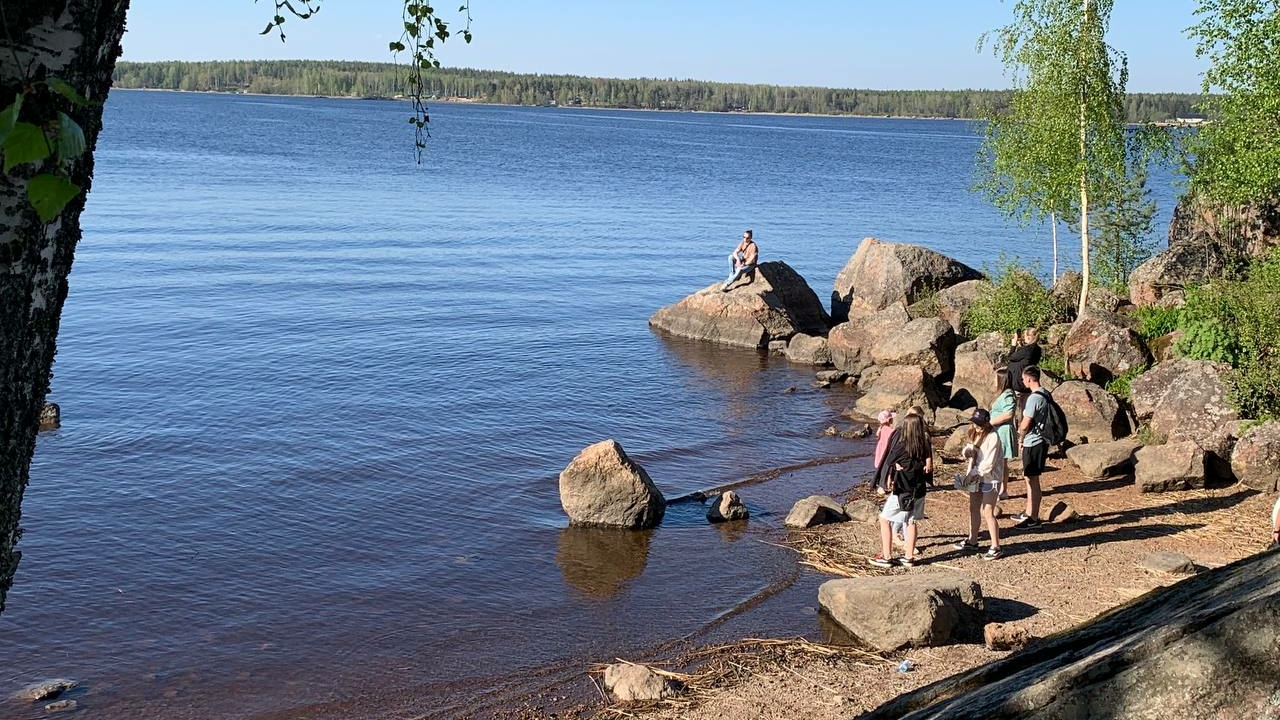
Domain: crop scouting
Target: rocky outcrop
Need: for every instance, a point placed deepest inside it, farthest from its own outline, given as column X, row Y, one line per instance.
column 853, row 343
column 1174, row 466
column 1256, row 458
column 602, row 486
column 805, row 349
column 881, row 274
column 1187, row 400
column 727, row 507
column 1206, row 239
column 1102, row 345
column 1104, row 459
column 815, row 510
column 890, row 613
column 775, row 306
column 1093, row 414
column 952, row 304
column 928, row 343
column 897, row 388
column 637, row 683
column 1202, row 648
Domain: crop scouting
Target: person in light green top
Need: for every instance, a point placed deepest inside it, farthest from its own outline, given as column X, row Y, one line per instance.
column 1002, row 410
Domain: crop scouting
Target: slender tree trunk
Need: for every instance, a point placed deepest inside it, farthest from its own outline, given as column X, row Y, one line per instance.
column 77, row 41
column 1084, row 183
column 1053, row 228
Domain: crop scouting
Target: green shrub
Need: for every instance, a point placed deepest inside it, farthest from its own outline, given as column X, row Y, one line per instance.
column 1053, row 363
column 1016, row 299
column 1238, row 322
column 1158, row 321
column 1120, row 384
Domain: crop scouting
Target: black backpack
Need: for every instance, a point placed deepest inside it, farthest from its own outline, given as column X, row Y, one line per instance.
column 1054, row 427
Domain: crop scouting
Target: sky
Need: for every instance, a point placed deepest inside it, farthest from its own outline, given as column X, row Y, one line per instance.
column 878, row 44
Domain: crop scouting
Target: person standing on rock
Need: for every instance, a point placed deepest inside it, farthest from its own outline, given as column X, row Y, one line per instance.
column 743, row 259
column 908, row 482
column 1024, row 354
column 984, row 479
column 1035, row 449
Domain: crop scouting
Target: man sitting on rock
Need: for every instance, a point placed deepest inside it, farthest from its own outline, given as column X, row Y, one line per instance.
column 743, row 258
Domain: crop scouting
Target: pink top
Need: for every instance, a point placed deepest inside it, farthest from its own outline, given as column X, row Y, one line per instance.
column 882, row 442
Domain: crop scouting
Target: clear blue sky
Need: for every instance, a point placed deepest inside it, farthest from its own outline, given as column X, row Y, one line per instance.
column 907, row 44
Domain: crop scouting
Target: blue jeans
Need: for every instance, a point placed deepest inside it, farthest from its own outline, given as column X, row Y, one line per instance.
column 737, row 274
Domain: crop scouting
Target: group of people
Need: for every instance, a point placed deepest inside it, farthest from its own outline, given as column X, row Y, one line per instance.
column 904, row 460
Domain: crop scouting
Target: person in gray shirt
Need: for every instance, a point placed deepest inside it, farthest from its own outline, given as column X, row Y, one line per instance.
column 1034, row 448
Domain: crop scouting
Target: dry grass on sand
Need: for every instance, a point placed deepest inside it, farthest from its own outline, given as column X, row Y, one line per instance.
column 1052, row 578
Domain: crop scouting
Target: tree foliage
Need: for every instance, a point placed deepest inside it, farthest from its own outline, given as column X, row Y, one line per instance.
column 1014, row 299
column 1062, row 142
column 1238, row 153
column 1124, row 238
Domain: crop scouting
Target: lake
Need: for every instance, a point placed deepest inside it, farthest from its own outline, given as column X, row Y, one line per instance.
column 316, row 396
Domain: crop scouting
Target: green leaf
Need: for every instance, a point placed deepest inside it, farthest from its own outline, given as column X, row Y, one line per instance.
column 71, row 143
column 49, row 194
column 63, row 88
column 26, row 143
column 9, row 116
column 267, row 29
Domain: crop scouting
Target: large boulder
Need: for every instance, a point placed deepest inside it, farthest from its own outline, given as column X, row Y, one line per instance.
column 929, row 343
column 1093, row 414
column 890, row 613
column 881, row 274
column 808, row 349
column 973, row 383
column 952, row 304
column 602, row 486
column 897, row 388
column 1203, row 648
column 815, row 510
column 1172, row 466
column 1103, row 459
column 1183, row 399
column 852, row 344
column 775, row 306
column 1102, row 345
column 1256, row 457
column 1206, row 239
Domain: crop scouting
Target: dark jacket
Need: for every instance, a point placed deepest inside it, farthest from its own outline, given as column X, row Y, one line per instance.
column 1022, row 357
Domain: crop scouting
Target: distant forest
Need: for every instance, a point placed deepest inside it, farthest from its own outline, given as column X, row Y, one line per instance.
column 384, row 80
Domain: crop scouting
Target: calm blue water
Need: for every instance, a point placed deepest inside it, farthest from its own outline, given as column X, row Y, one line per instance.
column 316, row 397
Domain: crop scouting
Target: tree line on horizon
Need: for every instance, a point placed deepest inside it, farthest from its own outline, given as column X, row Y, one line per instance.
column 384, row 80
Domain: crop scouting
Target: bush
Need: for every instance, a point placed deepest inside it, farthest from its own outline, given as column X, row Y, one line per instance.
column 1238, row 322
column 1158, row 321
column 1014, row 300
column 1120, row 385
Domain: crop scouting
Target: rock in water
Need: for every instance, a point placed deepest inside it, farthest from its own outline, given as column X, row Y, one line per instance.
column 774, row 306
column 45, row 689
column 727, row 507
column 602, row 486
column 50, row 416
column 815, row 510
column 637, row 683
column 881, row 274
column 900, row 611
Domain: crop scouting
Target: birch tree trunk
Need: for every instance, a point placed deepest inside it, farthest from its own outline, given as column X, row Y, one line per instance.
column 1053, row 228
column 77, row 41
column 1084, row 183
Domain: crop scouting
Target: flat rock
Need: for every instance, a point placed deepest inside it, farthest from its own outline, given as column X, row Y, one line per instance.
column 1173, row 466
column 637, row 683
column 1256, row 457
column 727, row 507
column 897, row 611
column 815, row 510
column 775, row 306
column 831, row 376
column 1167, row 563
column 880, row 274
column 1004, row 636
column 45, row 689
column 1201, row 648
column 1103, row 459
column 602, row 486
column 60, row 706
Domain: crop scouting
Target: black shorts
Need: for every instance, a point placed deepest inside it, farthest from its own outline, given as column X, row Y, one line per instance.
column 1033, row 459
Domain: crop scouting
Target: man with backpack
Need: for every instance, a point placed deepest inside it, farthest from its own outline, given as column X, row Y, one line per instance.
column 1035, row 446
